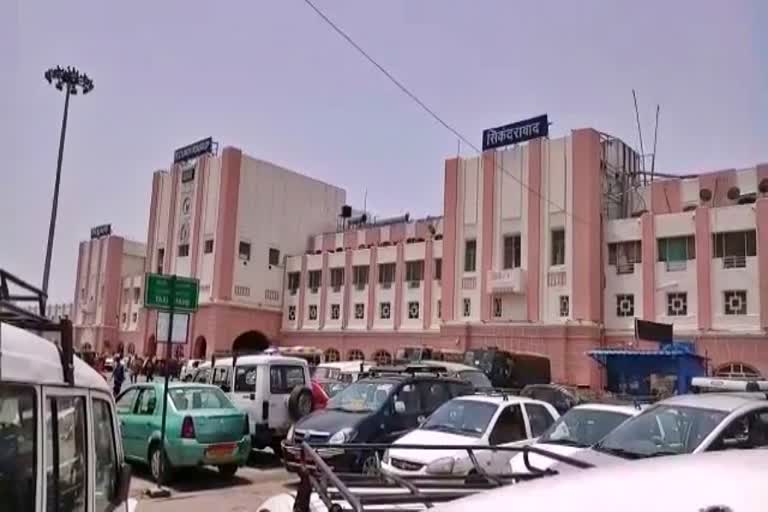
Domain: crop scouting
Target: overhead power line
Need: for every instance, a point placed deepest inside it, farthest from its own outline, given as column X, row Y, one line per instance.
column 428, row 109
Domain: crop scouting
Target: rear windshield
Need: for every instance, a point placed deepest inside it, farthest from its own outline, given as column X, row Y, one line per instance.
column 245, row 379
column 190, row 399
column 324, row 372
column 476, row 378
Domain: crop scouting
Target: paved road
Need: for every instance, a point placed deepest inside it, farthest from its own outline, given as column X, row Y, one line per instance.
column 205, row 490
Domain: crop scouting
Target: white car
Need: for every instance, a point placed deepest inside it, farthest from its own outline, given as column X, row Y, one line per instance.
column 188, row 370
column 482, row 420
column 576, row 430
column 343, row 371
column 686, row 424
column 273, row 389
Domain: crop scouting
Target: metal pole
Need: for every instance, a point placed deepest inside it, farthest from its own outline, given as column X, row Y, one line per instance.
column 55, row 206
column 167, row 368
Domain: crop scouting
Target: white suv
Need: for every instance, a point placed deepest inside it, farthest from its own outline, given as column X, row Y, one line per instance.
column 496, row 420
column 274, row 390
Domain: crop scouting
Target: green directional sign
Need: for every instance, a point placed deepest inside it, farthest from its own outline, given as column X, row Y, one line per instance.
column 171, row 292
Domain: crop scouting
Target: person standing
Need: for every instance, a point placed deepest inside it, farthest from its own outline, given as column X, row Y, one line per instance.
column 118, row 375
column 149, row 368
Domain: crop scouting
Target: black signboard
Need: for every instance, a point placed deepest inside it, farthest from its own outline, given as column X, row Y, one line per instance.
column 188, row 175
column 514, row 133
column 653, row 331
column 200, row 147
column 101, row 231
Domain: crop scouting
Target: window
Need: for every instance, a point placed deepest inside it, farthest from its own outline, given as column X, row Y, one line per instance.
column 335, row 311
column 124, row 404
column 124, row 317
column 470, row 255
column 315, row 278
column 294, row 281
column 439, row 309
column 359, row 311
column 408, row 394
column 414, row 271
column 497, row 307
column 676, row 250
column 360, row 276
column 539, row 418
column 438, row 269
column 386, row 274
column 183, row 250
column 221, row 376
column 208, row 246
column 745, row 432
column 282, row 379
column 134, row 317
column 105, row 455
column 512, row 247
column 244, row 251
column 558, row 247
column 355, row 355
column 433, row 395
column 734, row 247
column 737, row 371
column 337, row 278
column 384, row 310
column 197, row 398
column 382, row 357
column 677, row 304
column 413, row 310
column 735, row 302
column 65, row 456
column 313, row 311
column 509, row 427
column 160, row 259
column 136, row 295
column 625, row 305
column 565, row 305
column 291, row 313
column 467, row 310
column 274, row 257
column 18, row 460
column 624, row 255
column 147, row 402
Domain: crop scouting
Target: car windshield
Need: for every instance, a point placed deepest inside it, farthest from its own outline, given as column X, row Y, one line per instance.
column 190, row 399
column 582, row 427
column 362, row 396
column 322, row 372
column 476, row 378
column 661, row 430
column 465, row 417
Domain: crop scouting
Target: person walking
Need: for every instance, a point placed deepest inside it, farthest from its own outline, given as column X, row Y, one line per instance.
column 118, row 375
column 149, row 368
column 135, row 369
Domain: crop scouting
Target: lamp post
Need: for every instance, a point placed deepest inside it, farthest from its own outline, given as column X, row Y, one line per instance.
column 72, row 82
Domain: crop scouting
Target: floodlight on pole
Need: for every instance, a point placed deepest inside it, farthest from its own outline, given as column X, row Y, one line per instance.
column 71, row 81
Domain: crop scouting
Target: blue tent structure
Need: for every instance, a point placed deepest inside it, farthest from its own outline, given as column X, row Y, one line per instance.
column 630, row 371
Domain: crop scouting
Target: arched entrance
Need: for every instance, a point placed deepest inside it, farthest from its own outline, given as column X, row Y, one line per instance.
column 250, row 342
column 151, row 349
column 355, row 355
column 382, row 357
column 736, row 370
column 332, row 355
column 200, row 348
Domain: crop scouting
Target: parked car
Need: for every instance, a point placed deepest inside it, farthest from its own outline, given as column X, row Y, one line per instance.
column 332, row 387
column 202, row 427
column 686, row 424
column 274, row 390
column 342, row 371
column 372, row 410
column 471, row 374
column 578, row 429
column 481, row 420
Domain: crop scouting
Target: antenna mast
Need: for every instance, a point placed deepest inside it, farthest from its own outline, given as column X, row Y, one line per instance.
column 655, row 137
column 640, row 133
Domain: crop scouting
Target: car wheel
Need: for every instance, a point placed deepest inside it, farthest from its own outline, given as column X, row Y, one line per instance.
column 159, row 466
column 299, row 402
column 228, row 470
column 370, row 465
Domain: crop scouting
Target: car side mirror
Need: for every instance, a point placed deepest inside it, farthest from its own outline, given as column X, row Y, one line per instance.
column 123, row 485
column 399, row 407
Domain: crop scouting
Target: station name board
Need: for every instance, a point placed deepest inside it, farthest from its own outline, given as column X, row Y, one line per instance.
column 517, row 132
column 200, row 147
column 101, row 231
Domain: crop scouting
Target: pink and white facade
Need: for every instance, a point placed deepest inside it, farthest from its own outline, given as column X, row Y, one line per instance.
column 107, row 310
column 228, row 220
column 533, row 258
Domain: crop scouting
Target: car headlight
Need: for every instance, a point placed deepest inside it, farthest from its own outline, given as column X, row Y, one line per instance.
column 441, row 466
column 289, row 435
column 344, row 435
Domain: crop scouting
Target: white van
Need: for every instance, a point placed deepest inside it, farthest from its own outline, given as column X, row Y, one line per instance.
column 60, row 447
column 274, row 390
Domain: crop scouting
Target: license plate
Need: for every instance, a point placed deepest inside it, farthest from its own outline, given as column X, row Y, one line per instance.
column 220, row 451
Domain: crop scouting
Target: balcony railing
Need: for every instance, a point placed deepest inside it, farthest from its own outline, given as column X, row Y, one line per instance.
column 506, row 281
column 386, row 285
column 625, row 268
column 468, row 283
column 676, row 266
column 556, row 278
column 734, row 261
column 414, row 284
column 359, row 286
column 336, row 288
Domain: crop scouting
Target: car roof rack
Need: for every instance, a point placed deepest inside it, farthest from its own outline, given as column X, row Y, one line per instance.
column 13, row 314
column 404, row 370
column 720, row 385
column 385, row 492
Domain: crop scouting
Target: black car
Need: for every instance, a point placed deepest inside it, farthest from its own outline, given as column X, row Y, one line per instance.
column 376, row 409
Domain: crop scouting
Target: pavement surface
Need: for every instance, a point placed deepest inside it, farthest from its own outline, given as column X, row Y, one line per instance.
column 203, row 489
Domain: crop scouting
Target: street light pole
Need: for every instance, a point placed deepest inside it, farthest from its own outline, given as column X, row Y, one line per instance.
column 70, row 80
